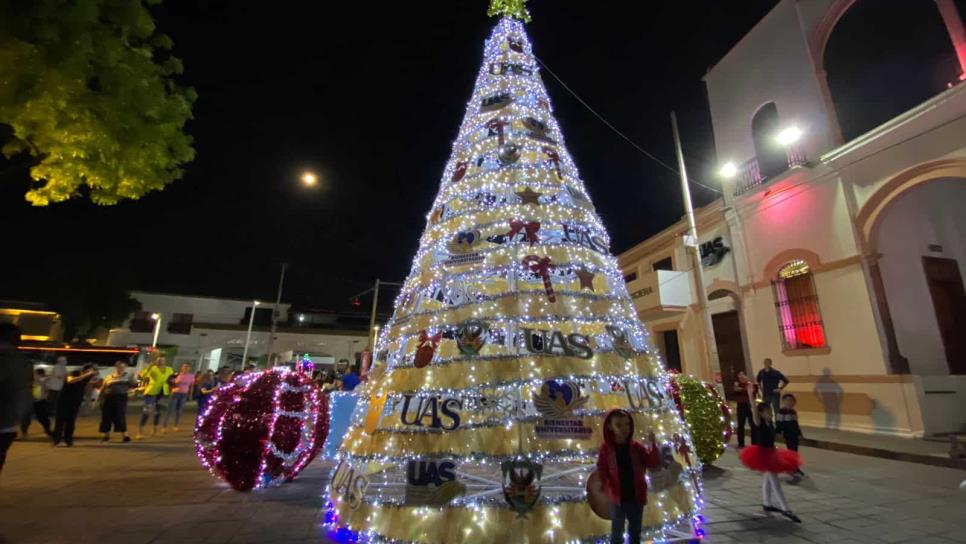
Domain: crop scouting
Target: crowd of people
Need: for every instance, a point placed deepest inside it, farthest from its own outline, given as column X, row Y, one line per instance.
column 56, row 398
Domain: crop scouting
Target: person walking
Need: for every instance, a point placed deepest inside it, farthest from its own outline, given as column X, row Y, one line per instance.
column 15, row 383
column 114, row 393
column 771, row 383
column 184, row 384
column 39, row 408
column 765, row 458
column 56, row 381
column 157, row 375
column 69, row 403
column 745, row 391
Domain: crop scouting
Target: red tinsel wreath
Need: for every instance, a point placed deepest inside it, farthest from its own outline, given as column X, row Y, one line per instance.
column 262, row 428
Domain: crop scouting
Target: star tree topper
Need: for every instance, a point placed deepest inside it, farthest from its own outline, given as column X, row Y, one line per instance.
column 509, row 8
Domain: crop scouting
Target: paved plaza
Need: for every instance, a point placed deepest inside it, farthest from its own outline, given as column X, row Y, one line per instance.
column 156, row 492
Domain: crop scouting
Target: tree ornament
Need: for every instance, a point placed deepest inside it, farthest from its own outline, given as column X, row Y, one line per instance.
column 554, row 158
column 495, row 102
column 529, row 230
column 509, row 8
column 262, row 429
column 586, row 278
column 529, row 196
column 459, row 171
column 471, row 337
column 509, row 154
column 426, row 348
column 541, row 267
column 496, row 126
column 702, row 412
column 537, row 130
column 521, row 485
column 515, row 43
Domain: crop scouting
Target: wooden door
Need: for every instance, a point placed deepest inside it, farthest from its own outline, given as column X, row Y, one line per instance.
column 731, row 352
column 949, row 302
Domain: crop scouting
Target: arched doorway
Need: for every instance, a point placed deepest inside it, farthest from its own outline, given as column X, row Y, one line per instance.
column 771, row 156
column 725, row 307
column 883, row 58
column 918, row 233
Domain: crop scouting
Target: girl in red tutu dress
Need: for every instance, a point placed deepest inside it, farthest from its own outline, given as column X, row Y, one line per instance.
column 765, row 458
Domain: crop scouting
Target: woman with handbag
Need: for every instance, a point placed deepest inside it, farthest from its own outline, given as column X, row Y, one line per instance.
column 113, row 400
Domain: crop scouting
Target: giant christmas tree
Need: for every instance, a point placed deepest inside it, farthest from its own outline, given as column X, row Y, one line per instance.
column 512, row 337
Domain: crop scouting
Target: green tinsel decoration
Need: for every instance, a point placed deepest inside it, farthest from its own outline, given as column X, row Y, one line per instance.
column 702, row 413
column 509, row 8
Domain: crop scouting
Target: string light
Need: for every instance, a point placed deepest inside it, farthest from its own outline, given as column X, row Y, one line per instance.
column 514, row 248
column 262, row 428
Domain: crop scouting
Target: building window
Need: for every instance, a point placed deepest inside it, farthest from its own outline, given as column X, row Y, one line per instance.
column 630, row 277
column 771, row 156
column 663, row 264
column 142, row 322
column 796, row 301
column 180, row 324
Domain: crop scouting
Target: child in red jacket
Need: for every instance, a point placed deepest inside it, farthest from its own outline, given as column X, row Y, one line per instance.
column 622, row 463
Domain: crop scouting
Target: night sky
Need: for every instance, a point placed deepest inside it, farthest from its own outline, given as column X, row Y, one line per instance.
column 371, row 97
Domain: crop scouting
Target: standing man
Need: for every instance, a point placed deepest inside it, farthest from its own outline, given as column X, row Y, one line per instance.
column 15, row 383
column 744, row 396
column 55, row 383
column 771, row 382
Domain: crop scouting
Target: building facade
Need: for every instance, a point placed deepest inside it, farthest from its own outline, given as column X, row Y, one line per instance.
column 209, row 333
column 838, row 246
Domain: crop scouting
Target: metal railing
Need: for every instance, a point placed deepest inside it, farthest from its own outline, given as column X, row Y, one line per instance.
column 749, row 172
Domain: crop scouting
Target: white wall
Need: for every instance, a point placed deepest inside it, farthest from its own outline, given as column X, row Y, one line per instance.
column 204, row 309
column 932, row 213
column 771, row 63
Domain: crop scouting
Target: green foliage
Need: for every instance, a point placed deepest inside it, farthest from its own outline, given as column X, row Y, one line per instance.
column 702, row 413
column 509, row 8
column 88, row 88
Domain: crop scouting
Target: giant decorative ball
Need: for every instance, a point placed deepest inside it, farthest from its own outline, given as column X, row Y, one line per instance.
column 262, row 428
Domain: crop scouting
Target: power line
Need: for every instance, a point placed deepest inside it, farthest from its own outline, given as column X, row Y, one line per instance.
column 618, row 132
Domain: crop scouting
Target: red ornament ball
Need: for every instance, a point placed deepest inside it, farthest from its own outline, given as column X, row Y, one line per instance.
column 262, row 428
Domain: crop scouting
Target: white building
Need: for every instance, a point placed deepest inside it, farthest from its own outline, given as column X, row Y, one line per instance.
column 209, row 333
column 838, row 255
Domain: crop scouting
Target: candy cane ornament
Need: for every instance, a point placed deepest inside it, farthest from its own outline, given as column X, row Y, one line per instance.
column 554, row 157
column 541, row 267
column 497, row 125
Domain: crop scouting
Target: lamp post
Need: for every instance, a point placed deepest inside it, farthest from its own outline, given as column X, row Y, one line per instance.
column 691, row 245
column 157, row 328
column 248, row 338
column 278, row 300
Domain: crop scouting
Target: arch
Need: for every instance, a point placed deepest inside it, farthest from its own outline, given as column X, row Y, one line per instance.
column 859, row 60
column 796, row 254
column 771, row 157
column 871, row 212
column 722, row 288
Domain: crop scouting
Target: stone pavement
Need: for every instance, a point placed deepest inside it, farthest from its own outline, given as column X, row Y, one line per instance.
column 156, row 492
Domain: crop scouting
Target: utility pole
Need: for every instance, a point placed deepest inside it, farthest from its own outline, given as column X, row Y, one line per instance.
column 375, row 301
column 691, row 246
column 372, row 317
column 278, row 300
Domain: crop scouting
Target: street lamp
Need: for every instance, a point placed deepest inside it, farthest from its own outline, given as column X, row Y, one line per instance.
column 729, row 170
column 157, row 328
column 248, row 338
column 788, row 135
